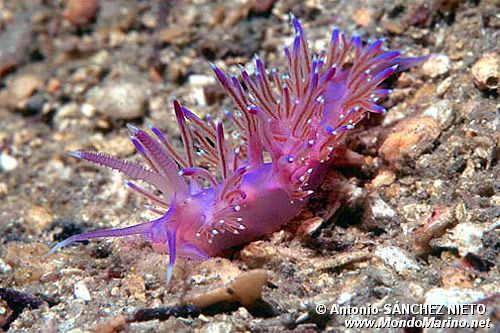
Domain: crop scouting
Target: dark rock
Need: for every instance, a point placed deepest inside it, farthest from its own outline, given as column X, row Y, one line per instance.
column 17, row 302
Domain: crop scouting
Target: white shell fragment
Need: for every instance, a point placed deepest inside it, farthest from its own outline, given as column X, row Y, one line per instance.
column 82, row 292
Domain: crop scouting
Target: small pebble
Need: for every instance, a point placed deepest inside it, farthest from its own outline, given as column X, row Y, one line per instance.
column 4, row 267
column 88, row 110
column 442, row 112
column 363, row 16
column 53, row 85
column 219, row 327
column 245, row 289
column 119, row 100
column 409, row 138
column 24, row 85
column 19, row 90
column 200, row 80
column 257, row 254
column 486, row 72
column 38, row 218
column 443, row 87
column 7, row 163
column 394, row 27
column 218, row 15
column 134, row 286
column 3, row 189
column 309, row 226
column 82, row 292
column 345, row 298
column 385, row 177
column 175, row 72
column 213, row 93
column 175, row 35
column 116, row 145
column 261, row 6
column 15, row 41
column 456, row 277
column 199, row 96
column 112, row 325
column 381, row 210
column 115, row 291
column 5, row 313
column 467, row 237
column 397, row 259
column 436, row 65
column 81, row 12
column 453, row 295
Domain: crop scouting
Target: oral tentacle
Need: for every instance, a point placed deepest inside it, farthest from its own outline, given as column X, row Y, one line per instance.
column 172, row 252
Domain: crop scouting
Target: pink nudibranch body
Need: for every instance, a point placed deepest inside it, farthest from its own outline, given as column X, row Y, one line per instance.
column 220, row 192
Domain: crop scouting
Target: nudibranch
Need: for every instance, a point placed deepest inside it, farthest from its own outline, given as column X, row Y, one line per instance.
column 223, row 190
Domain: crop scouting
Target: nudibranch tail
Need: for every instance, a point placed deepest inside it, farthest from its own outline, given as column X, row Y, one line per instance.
column 139, row 229
column 154, row 231
column 223, row 191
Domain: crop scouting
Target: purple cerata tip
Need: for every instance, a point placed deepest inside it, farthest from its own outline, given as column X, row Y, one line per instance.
column 132, row 128
column 75, row 153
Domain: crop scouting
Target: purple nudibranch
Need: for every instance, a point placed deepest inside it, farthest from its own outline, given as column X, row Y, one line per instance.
column 218, row 192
